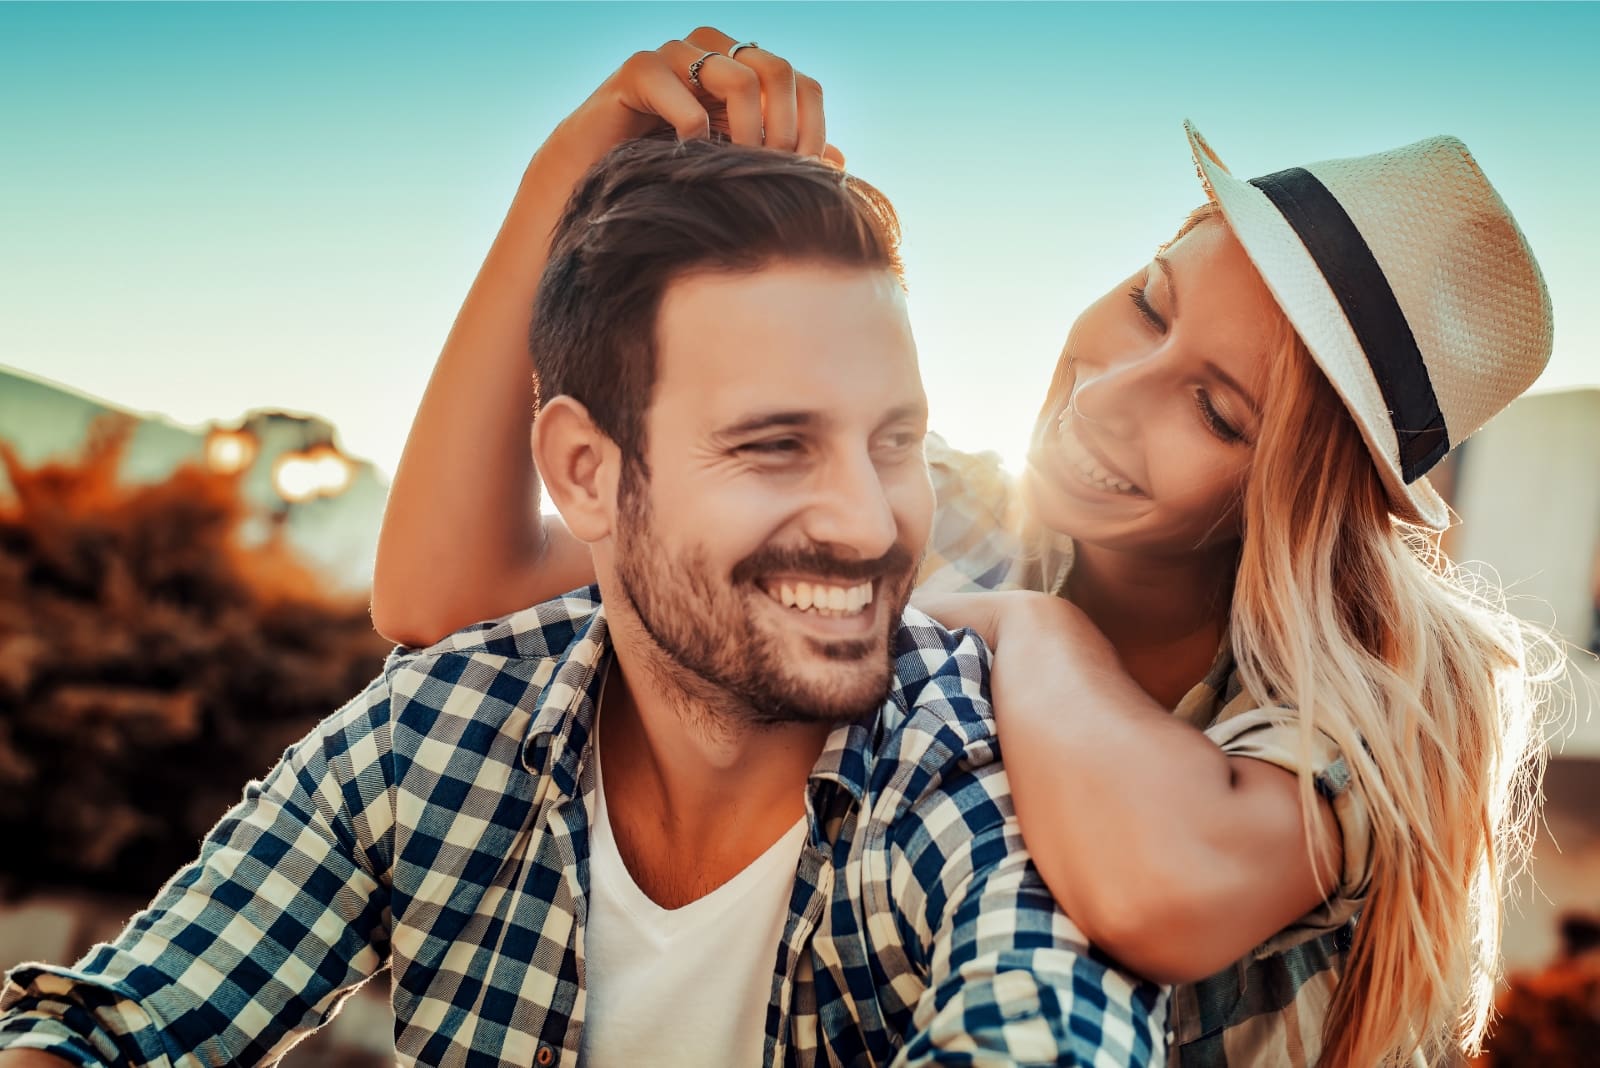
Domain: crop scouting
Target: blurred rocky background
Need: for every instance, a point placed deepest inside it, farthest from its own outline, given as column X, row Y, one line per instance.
column 176, row 607
column 178, row 604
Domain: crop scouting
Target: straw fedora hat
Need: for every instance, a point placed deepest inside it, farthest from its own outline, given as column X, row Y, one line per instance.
column 1411, row 285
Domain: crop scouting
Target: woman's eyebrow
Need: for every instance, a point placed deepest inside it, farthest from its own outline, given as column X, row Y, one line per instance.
column 1233, row 383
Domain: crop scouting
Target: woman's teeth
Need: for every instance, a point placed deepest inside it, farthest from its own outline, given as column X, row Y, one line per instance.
column 1085, row 466
column 827, row 601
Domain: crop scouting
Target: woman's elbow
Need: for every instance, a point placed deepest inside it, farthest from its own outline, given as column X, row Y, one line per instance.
column 403, row 624
column 1155, row 925
column 1155, row 936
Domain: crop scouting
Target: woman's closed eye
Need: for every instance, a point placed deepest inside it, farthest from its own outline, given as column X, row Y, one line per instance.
column 1219, row 426
column 1141, row 302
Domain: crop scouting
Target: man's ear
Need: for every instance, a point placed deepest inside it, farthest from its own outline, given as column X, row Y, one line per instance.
column 579, row 466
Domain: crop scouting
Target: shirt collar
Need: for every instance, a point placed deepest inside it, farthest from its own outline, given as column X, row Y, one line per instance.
column 558, row 737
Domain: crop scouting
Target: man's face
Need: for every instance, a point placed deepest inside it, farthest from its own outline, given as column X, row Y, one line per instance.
column 773, row 544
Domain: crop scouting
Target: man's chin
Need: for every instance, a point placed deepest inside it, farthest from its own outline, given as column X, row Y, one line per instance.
column 849, row 652
column 832, row 692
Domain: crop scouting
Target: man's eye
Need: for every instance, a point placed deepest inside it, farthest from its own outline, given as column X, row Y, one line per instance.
column 773, row 447
column 901, row 440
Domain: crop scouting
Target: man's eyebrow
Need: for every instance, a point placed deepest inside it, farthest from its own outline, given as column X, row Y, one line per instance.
column 798, row 420
column 770, row 421
column 1172, row 287
column 1233, row 383
column 905, row 411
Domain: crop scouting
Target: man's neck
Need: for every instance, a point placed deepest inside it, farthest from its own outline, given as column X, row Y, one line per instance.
column 694, row 792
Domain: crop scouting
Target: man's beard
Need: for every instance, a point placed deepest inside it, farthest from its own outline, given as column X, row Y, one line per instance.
column 707, row 629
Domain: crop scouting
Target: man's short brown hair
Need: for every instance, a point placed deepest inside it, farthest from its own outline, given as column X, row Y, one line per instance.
column 653, row 211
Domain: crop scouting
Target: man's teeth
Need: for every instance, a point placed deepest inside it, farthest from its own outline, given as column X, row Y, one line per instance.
column 825, row 600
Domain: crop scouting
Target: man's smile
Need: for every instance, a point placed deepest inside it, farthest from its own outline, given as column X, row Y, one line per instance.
column 825, row 599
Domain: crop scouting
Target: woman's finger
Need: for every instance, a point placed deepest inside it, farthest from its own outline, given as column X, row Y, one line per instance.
column 780, row 85
column 648, row 85
column 722, row 79
column 779, row 103
column 812, row 126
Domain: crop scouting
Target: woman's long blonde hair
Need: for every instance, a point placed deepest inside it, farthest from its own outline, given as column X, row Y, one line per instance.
column 1431, row 689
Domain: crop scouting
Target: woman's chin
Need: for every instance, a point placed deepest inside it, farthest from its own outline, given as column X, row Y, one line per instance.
column 1086, row 515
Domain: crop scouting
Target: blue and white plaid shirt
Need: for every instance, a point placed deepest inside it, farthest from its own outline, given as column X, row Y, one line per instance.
column 439, row 824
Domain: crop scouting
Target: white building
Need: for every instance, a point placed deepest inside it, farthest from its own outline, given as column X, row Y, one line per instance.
column 1528, row 492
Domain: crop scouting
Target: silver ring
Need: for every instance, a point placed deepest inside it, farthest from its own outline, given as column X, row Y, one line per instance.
column 694, row 69
column 742, row 44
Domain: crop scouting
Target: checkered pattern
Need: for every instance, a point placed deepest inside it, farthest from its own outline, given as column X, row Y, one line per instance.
column 439, row 824
column 973, row 545
column 1268, row 1008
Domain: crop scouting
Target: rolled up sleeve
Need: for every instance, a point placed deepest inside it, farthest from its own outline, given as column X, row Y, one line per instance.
column 254, row 943
column 1273, row 735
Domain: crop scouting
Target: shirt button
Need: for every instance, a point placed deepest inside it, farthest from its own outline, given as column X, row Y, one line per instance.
column 546, row 1055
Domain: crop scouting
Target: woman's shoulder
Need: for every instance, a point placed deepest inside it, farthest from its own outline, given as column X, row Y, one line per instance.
column 974, row 543
column 974, row 481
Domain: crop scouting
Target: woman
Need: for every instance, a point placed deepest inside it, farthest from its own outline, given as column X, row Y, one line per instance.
column 1241, row 694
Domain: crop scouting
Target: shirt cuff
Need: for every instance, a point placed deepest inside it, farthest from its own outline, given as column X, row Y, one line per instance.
column 58, row 1011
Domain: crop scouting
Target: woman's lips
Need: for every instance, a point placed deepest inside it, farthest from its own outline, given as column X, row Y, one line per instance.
column 1087, row 464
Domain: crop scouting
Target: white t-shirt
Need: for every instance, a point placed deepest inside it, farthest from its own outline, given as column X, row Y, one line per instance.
column 685, row 986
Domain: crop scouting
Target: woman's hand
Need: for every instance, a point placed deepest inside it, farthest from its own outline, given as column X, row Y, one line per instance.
column 455, row 550
column 754, row 97
column 980, row 612
column 992, row 614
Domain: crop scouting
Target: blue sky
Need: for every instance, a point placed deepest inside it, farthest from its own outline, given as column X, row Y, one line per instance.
column 209, row 208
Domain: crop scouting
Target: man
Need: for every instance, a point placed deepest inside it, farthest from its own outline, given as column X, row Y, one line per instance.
column 729, row 805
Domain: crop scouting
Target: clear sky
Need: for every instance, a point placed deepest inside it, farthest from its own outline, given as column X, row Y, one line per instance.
column 205, row 209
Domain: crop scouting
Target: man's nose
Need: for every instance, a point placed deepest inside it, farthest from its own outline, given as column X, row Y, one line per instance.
column 851, row 509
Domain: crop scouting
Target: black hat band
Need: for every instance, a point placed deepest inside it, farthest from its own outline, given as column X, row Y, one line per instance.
column 1358, row 283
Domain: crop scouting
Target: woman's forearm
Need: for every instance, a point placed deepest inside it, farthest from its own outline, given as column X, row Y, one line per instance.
column 462, row 537
column 1172, row 856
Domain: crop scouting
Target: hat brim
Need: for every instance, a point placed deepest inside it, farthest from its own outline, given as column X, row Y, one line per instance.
column 1301, row 290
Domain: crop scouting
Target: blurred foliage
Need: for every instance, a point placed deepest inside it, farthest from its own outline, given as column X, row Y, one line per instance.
column 1552, row 1017
column 151, row 663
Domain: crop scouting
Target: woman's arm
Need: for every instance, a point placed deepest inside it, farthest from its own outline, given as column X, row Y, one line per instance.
column 1172, row 856
column 462, row 536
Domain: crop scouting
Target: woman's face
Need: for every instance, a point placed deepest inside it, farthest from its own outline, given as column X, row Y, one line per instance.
column 1147, row 438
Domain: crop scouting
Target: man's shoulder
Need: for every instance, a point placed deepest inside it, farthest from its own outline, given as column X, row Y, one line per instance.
column 933, row 663
column 487, row 675
column 540, row 631
column 939, row 714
